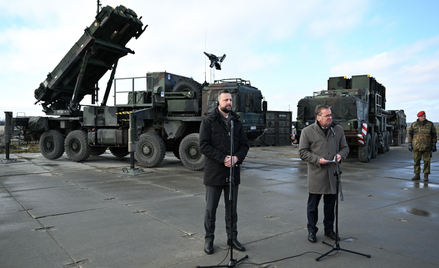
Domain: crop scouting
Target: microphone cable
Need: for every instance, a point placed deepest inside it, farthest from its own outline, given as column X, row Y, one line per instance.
column 278, row 260
column 291, row 257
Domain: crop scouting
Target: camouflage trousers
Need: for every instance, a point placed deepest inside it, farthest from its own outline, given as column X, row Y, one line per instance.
column 417, row 155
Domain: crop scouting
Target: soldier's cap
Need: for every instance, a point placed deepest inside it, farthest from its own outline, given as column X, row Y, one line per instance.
column 421, row 113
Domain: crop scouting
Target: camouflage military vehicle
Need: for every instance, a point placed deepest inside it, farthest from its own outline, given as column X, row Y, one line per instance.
column 247, row 103
column 170, row 110
column 358, row 105
column 397, row 119
column 150, row 115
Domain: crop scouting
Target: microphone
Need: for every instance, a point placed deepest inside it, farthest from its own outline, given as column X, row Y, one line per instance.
column 230, row 119
column 332, row 129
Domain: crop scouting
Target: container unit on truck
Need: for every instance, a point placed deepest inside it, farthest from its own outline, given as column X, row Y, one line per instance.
column 278, row 129
column 163, row 113
column 397, row 119
column 357, row 105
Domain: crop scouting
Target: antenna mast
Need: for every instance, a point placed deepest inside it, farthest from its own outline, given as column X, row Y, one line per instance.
column 95, row 96
column 99, row 5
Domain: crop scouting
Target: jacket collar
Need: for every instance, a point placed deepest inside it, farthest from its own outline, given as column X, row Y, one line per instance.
column 216, row 114
column 319, row 129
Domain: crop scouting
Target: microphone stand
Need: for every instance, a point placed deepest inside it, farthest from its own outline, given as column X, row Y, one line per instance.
column 232, row 262
column 337, row 173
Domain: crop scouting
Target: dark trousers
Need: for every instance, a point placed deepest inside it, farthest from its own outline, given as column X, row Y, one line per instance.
column 328, row 211
column 213, row 195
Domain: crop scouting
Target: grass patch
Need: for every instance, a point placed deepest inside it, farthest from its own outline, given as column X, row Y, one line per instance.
column 16, row 148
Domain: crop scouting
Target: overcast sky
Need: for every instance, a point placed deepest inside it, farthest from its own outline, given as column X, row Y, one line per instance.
column 286, row 48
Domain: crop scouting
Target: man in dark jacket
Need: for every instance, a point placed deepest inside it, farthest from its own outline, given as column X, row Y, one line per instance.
column 215, row 144
column 317, row 147
column 422, row 140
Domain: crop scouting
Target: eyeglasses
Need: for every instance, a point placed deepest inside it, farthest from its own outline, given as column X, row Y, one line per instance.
column 328, row 115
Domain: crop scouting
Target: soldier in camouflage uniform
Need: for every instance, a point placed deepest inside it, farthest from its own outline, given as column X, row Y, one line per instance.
column 422, row 140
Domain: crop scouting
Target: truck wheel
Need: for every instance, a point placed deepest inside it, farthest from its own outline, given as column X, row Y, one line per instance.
column 375, row 144
column 190, row 152
column 365, row 151
column 76, row 146
column 382, row 149
column 189, row 85
column 119, row 152
column 52, row 144
column 150, row 149
column 96, row 150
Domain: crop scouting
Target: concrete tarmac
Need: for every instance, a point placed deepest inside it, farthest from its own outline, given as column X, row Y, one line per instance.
column 62, row 214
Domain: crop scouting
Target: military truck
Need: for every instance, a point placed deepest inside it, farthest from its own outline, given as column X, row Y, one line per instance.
column 159, row 112
column 397, row 119
column 357, row 105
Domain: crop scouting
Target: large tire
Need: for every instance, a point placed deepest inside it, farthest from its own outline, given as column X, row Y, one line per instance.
column 119, row 152
column 365, row 151
column 150, row 149
column 190, row 85
column 375, row 145
column 97, row 150
column 76, row 146
column 52, row 144
column 190, row 152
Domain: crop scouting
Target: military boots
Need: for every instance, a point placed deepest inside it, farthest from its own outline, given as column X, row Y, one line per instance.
column 425, row 176
column 416, row 177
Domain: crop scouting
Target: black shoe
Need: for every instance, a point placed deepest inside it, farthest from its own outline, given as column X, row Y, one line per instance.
column 208, row 247
column 332, row 235
column 312, row 237
column 236, row 245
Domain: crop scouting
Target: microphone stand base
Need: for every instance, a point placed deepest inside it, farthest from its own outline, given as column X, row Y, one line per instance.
column 232, row 263
column 336, row 247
